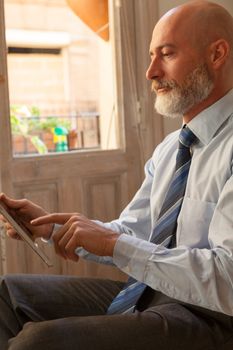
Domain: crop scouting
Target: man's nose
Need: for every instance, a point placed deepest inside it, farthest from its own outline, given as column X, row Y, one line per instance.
column 154, row 70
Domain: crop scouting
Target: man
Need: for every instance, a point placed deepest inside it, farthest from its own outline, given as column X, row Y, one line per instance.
column 176, row 236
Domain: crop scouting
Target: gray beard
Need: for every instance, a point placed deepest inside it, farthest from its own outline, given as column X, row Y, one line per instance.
column 196, row 87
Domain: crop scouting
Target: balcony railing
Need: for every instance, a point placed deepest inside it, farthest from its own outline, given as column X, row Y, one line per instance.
column 59, row 133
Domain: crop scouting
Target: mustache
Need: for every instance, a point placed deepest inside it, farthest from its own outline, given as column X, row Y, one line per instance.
column 162, row 84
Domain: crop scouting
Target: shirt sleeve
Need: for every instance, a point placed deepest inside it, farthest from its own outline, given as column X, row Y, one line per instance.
column 135, row 219
column 202, row 277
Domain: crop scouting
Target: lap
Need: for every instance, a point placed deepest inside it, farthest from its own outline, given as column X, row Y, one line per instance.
column 169, row 326
column 45, row 297
column 69, row 313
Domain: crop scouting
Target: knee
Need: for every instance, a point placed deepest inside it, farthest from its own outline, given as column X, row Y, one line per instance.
column 4, row 280
column 1, row 281
column 4, row 285
column 34, row 335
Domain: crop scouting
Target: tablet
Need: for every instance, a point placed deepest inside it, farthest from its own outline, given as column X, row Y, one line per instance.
column 23, row 232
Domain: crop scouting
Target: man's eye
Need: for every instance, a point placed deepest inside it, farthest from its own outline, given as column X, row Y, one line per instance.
column 167, row 54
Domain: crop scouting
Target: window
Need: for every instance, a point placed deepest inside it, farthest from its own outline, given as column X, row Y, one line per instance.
column 60, row 80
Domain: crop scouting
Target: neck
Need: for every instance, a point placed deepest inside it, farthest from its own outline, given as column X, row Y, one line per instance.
column 214, row 97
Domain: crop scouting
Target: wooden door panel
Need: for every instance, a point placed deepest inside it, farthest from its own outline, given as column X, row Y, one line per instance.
column 44, row 193
column 104, row 196
column 101, row 196
column 98, row 183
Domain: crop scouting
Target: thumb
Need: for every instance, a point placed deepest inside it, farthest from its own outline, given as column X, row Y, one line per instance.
column 12, row 203
column 55, row 218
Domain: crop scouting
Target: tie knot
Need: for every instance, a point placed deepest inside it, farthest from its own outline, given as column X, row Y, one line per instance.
column 186, row 137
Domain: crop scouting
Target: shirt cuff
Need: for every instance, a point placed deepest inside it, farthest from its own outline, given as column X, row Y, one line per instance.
column 50, row 240
column 131, row 255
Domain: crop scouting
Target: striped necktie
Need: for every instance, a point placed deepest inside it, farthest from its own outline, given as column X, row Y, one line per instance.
column 164, row 232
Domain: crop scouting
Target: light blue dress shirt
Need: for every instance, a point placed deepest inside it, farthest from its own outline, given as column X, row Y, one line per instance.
column 199, row 270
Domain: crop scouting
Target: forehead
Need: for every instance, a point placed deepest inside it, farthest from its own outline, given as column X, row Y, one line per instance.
column 169, row 31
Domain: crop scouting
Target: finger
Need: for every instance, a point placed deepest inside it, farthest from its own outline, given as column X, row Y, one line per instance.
column 71, row 247
column 63, row 237
column 8, row 226
column 61, row 244
column 55, row 218
column 70, row 251
column 13, row 234
column 2, row 195
column 12, row 203
column 10, row 231
column 57, row 237
column 2, row 218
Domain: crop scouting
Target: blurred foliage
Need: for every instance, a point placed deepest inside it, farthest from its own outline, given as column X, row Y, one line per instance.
column 26, row 121
column 52, row 122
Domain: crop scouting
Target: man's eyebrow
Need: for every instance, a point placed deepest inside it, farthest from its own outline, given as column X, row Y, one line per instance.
column 161, row 47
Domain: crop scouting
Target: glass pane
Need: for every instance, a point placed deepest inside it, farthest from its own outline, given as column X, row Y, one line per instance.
column 60, row 76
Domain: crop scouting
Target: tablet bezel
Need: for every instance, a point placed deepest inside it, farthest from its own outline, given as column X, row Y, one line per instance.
column 24, row 233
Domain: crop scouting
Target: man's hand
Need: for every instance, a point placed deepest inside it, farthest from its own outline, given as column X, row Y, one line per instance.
column 26, row 211
column 78, row 231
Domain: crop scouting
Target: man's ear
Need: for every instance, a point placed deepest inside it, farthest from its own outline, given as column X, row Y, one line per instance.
column 219, row 52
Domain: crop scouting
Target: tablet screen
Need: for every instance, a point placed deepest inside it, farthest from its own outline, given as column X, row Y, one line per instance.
column 23, row 232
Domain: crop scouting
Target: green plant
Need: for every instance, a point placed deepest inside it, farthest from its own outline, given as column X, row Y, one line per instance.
column 21, row 124
column 52, row 122
column 27, row 121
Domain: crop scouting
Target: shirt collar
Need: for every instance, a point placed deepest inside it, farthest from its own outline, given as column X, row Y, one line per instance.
column 206, row 123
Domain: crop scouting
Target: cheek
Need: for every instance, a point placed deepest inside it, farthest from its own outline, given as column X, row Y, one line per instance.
column 178, row 71
column 176, row 74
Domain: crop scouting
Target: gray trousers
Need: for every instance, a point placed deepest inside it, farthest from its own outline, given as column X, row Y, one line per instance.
column 68, row 313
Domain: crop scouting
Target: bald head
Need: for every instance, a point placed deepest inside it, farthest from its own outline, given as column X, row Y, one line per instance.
column 191, row 57
column 201, row 22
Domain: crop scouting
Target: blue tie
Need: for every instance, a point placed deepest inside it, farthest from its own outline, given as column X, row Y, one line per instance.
column 164, row 231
